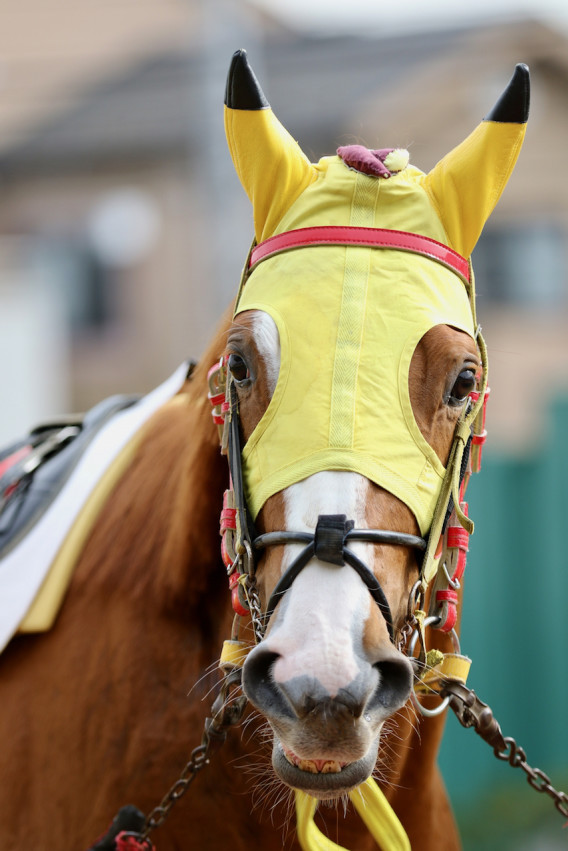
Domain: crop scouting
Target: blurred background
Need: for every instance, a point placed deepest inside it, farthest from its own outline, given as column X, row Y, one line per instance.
column 123, row 230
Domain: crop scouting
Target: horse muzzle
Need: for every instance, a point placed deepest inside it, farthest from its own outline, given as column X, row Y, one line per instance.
column 324, row 743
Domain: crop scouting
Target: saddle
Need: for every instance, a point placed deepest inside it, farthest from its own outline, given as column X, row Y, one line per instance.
column 53, row 485
column 33, row 470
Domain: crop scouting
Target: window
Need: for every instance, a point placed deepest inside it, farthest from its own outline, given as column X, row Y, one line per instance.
column 76, row 276
column 523, row 265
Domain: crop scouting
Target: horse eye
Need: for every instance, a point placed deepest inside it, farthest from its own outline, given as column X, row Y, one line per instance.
column 465, row 383
column 238, row 368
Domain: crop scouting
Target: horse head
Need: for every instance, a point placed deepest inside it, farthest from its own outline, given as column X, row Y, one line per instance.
column 351, row 360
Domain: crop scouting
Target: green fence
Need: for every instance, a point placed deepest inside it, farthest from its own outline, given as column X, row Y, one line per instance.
column 515, row 628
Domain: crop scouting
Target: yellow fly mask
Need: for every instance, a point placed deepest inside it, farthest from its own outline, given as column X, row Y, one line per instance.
column 357, row 257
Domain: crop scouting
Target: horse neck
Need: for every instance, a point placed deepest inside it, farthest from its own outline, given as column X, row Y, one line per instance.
column 157, row 538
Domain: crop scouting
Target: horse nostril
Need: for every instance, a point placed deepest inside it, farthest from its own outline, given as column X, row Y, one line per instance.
column 384, row 688
column 395, row 684
column 259, row 684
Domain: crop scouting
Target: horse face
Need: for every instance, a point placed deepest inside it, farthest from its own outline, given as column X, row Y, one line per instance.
column 327, row 676
column 352, row 410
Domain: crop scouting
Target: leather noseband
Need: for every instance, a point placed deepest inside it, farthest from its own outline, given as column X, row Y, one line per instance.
column 329, row 543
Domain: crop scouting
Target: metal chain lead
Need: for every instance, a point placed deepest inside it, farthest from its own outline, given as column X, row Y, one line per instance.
column 224, row 714
column 537, row 779
column 198, row 759
column 472, row 712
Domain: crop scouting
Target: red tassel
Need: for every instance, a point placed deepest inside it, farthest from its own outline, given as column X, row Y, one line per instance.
column 126, row 841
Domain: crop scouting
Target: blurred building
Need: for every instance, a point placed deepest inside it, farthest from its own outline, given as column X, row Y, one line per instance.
column 123, row 199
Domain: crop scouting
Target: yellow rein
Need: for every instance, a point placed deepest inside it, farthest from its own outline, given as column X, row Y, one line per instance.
column 375, row 812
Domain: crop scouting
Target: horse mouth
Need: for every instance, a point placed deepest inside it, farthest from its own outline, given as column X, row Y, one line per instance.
column 314, row 766
column 321, row 778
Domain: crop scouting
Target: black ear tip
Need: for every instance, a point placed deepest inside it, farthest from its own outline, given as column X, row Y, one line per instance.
column 521, row 79
column 513, row 105
column 243, row 90
column 238, row 60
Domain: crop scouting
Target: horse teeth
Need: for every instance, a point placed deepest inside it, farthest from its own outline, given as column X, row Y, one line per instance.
column 313, row 766
column 308, row 765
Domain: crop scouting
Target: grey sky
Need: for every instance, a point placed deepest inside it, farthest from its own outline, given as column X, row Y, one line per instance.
column 365, row 15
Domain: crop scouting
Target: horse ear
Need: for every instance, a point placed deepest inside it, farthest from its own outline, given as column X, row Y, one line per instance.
column 270, row 164
column 466, row 184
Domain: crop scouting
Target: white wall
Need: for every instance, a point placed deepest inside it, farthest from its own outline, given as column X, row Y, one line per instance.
column 34, row 342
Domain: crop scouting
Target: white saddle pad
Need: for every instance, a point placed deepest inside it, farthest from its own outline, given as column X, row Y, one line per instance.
column 24, row 568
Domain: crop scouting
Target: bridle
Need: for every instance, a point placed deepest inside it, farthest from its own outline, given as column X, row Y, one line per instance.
column 329, row 543
column 333, row 534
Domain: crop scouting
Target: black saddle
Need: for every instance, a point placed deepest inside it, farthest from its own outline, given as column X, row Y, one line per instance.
column 42, row 463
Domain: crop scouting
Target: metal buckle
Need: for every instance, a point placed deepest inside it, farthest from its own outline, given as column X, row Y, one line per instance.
column 430, row 713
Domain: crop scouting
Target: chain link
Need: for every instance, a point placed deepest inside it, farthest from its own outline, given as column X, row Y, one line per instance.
column 225, row 713
column 472, row 712
column 406, row 630
column 255, row 607
column 415, row 602
column 536, row 778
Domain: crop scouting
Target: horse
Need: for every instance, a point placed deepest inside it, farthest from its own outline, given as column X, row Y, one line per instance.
column 348, row 379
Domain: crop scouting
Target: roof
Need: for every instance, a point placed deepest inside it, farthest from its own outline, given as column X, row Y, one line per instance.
column 155, row 106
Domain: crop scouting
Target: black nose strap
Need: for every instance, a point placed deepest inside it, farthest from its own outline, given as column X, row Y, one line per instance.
column 329, row 544
column 374, row 587
column 329, row 537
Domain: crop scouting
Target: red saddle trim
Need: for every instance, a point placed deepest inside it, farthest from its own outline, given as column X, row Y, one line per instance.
column 368, row 237
column 13, row 459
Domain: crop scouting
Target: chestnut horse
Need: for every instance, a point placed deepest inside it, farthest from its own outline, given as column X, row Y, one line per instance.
column 103, row 709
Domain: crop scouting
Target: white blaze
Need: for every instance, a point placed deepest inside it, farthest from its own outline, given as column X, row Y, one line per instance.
column 320, row 632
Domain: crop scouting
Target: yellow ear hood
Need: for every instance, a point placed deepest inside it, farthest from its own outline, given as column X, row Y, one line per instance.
column 463, row 187
column 354, row 314
column 466, row 184
column 271, row 166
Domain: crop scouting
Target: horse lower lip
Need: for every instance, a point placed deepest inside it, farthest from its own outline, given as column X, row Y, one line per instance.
column 322, row 784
